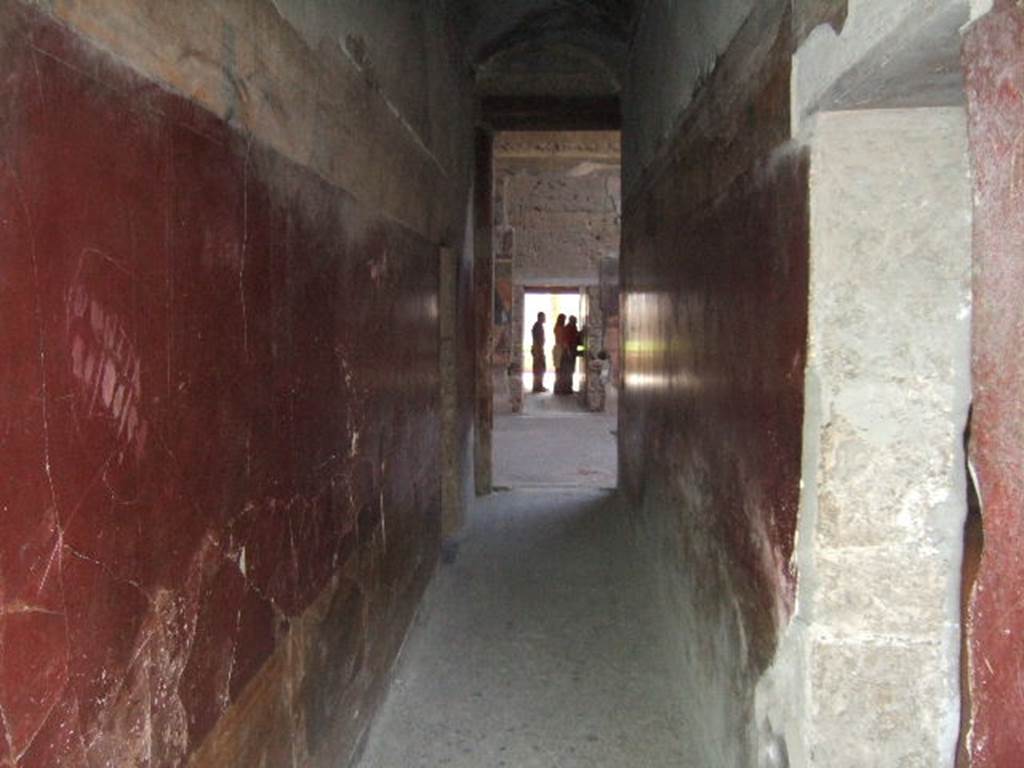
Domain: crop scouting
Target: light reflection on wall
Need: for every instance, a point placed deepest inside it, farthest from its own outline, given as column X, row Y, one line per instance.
column 648, row 353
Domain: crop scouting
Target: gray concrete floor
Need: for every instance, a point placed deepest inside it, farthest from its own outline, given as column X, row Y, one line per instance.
column 554, row 442
column 538, row 646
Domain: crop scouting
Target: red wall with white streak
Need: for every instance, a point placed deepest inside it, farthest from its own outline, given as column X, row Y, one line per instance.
column 994, row 60
column 218, row 401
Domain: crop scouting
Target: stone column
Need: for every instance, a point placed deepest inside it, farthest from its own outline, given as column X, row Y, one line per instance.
column 516, row 337
column 868, row 671
column 592, row 392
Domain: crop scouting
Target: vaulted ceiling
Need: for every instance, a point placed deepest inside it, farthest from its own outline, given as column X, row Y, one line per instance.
column 496, row 25
column 547, row 64
column 546, row 47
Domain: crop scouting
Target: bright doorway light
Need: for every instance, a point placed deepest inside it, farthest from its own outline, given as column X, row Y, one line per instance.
column 552, row 304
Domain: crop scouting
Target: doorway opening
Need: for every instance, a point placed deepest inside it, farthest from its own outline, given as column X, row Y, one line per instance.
column 556, row 218
column 553, row 304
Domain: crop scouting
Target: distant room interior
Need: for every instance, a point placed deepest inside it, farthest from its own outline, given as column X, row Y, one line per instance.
column 555, row 238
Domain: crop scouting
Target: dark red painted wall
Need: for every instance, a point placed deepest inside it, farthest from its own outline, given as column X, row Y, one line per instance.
column 715, row 280
column 715, row 321
column 483, row 308
column 994, row 60
column 217, row 387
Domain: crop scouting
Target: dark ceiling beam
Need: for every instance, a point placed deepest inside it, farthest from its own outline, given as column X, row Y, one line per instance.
column 545, row 113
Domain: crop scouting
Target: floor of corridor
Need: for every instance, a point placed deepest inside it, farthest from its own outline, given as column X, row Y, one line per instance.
column 536, row 647
column 554, row 442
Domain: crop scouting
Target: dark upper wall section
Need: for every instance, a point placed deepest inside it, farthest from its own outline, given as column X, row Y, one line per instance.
column 675, row 48
column 554, row 70
column 361, row 93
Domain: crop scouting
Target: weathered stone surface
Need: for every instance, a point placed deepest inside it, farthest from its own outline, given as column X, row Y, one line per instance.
column 904, row 606
column 886, row 54
column 874, row 643
column 867, row 495
column 874, row 704
column 557, row 205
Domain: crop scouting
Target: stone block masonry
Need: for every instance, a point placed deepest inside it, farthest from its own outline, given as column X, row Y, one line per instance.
column 557, row 205
column 884, row 492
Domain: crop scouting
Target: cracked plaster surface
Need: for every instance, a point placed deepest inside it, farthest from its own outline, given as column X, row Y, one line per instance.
column 179, row 377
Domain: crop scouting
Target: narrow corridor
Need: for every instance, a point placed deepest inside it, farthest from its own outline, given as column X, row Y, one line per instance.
column 266, row 281
column 537, row 646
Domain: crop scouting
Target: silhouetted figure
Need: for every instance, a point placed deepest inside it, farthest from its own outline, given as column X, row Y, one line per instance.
column 567, row 363
column 559, row 348
column 539, row 355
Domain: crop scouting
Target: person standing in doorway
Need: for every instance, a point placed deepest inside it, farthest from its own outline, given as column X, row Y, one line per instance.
column 539, row 354
column 558, row 350
column 571, row 340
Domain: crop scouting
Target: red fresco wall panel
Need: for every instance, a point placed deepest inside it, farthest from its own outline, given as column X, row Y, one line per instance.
column 219, row 384
column 715, row 295
column 715, row 318
column 994, row 63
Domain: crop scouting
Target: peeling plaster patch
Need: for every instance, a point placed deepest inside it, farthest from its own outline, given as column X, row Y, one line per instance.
column 378, row 266
column 107, row 367
column 587, row 168
column 980, row 7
